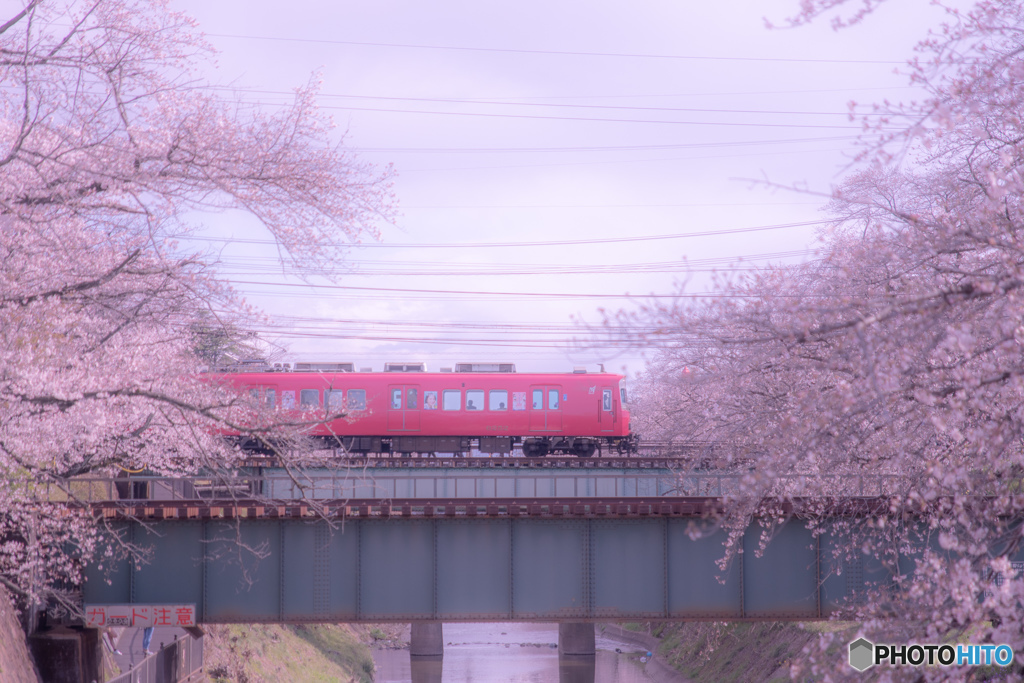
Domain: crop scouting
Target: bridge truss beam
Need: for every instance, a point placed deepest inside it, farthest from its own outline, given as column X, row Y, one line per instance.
column 499, row 568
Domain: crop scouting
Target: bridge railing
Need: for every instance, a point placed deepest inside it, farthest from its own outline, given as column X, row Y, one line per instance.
column 181, row 660
column 340, row 485
column 92, row 489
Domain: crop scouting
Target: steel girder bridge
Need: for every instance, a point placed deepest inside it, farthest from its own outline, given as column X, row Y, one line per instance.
column 241, row 558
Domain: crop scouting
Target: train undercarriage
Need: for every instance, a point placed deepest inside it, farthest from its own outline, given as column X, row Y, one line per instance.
column 530, row 447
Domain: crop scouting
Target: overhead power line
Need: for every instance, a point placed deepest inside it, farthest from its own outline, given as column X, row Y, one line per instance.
column 619, row 148
column 257, row 265
column 550, row 243
column 548, row 295
column 565, row 53
column 742, row 93
column 602, row 206
column 851, row 126
column 618, row 162
column 549, row 105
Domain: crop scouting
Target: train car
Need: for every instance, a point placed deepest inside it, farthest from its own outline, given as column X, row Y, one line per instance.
column 489, row 408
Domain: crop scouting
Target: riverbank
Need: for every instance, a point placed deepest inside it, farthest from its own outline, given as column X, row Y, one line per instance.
column 260, row 653
column 728, row 652
column 658, row 667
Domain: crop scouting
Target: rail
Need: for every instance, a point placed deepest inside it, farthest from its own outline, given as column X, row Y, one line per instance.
column 648, row 454
column 342, row 460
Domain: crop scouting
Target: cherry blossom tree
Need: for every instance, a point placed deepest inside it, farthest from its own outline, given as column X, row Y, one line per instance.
column 110, row 143
column 899, row 352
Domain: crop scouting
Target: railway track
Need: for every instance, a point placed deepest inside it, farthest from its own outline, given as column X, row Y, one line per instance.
column 608, row 462
column 650, row 456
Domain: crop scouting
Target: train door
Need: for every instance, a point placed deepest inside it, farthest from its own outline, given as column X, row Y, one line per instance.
column 606, row 415
column 554, row 409
column 403, row 407
column 545, row 408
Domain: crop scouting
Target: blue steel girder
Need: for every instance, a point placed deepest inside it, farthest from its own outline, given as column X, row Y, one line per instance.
column 487, row 568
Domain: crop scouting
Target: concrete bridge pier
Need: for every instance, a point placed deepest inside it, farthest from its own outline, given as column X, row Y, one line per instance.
column 576, row 638
column 426, row 651
column 577, row 669
column 425, row 669
column 426, row 639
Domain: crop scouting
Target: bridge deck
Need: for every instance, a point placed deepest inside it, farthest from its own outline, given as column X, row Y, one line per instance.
column 553, row 561
column 449, row 508
column 241, row 557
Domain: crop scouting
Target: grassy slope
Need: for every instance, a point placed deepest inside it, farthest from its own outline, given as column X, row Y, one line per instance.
column 271, row 653
column 734, row 652
column 760, row 652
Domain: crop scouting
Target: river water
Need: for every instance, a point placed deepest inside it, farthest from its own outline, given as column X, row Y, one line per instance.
column 512, row 653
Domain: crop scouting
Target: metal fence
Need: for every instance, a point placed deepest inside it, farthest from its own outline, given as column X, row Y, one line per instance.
column 180, row 661
column 325, row 484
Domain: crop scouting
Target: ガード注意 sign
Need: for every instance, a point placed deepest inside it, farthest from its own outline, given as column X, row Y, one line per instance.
column 101, row 616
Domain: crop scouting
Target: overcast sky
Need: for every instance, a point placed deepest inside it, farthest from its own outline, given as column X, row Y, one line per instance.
column 531, row 123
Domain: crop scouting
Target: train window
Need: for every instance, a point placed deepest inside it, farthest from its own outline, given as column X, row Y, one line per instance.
column 606, row 399
column 553, row 399
column 538, row 399
column 357, row 399
column 622, row 394
column 498, row 400
column 335, row 400
column 287, row 400
column 429, row 400
column 309, row 398
column 396, row 399
column 411, row 399
column 451, row 399
column 475, row 399
column 261, row 397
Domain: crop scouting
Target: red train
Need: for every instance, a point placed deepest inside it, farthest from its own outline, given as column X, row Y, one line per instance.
column 485, row 407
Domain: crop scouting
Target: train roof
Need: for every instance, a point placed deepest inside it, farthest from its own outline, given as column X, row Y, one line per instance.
column 413, row 367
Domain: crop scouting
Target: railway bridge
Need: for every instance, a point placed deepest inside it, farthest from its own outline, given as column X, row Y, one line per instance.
column 457, row 544
column 429, row 542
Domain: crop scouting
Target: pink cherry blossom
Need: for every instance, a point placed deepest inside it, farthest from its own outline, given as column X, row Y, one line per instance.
column 109, row 143
column 897, row 353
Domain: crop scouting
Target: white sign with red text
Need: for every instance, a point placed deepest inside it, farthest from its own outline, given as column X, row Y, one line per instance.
column 101, row 616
